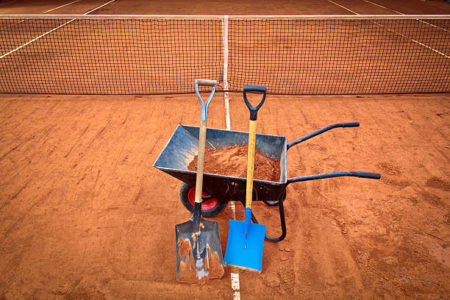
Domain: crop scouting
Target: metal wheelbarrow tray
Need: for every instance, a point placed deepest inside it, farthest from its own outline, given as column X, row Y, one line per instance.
column 182, row 147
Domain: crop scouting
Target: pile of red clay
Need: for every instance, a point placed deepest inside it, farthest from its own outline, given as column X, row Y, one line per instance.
column 232, row 161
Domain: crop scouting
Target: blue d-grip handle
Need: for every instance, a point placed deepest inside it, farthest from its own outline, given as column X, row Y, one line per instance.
column 254, row 110
column 204, row 108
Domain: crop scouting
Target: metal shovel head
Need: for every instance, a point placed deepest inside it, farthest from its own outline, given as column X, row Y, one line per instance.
column 245, row 251
column 199, row 253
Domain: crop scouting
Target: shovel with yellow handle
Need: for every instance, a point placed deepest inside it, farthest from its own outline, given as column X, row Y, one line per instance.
column 246, row 239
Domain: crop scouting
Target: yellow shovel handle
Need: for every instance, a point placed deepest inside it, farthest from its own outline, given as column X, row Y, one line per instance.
column 251, row 163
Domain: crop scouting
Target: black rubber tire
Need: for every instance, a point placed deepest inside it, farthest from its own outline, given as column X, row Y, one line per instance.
column 184, row 190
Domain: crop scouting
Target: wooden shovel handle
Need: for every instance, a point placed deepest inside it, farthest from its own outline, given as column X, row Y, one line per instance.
column 200, row 162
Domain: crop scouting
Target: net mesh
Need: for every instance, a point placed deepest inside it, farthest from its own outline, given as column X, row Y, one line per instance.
column 163, row 55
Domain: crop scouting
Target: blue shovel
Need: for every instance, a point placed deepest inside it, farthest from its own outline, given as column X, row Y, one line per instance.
column 246, row 239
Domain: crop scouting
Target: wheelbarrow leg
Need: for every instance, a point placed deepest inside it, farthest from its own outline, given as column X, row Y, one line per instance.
column 282, row 220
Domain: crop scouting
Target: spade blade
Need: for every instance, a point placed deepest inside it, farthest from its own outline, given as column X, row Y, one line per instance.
column 199, row 253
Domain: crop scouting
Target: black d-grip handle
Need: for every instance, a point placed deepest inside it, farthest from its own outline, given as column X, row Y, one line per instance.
column 254, row 110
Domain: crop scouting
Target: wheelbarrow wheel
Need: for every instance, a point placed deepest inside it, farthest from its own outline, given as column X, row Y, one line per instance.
column 210, row 206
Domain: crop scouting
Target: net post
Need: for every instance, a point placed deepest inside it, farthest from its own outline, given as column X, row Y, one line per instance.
column 234, row 272
column 225, row 69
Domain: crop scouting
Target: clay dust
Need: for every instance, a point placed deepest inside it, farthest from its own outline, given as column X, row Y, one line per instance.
column 232, row 161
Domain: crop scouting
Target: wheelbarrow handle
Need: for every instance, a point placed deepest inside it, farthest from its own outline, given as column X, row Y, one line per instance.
column 205, row 82
column 307, row 137
column 335, row 174
column 254, row 110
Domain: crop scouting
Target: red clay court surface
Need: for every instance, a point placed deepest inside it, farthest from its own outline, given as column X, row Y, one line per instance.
column 84, row 215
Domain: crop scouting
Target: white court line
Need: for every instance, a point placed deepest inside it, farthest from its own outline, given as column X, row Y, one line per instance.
column 37, row 38
column 402, row 35
column 400, row 13
column 97, row 8
column 343, row 7
column 56, row 28
column 376, row 4
column 234, row 272
column 56, row 8
column 47, row 11
column 379, row 5
column 235, row 284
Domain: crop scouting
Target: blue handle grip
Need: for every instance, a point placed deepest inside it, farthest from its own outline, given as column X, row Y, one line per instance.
column 350, row 124
column 204, row 108
column 254, row 110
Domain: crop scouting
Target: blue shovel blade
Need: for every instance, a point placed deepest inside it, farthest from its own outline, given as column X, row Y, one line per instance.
column 245, row 252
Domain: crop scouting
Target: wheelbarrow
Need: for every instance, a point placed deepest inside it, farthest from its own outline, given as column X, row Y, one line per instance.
column 219, row 189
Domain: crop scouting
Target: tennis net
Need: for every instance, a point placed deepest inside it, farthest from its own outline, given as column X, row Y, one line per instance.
column 99, row 54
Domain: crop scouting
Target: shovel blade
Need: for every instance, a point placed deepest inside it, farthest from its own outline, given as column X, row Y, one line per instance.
column 245, row 251
column 199, row 254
